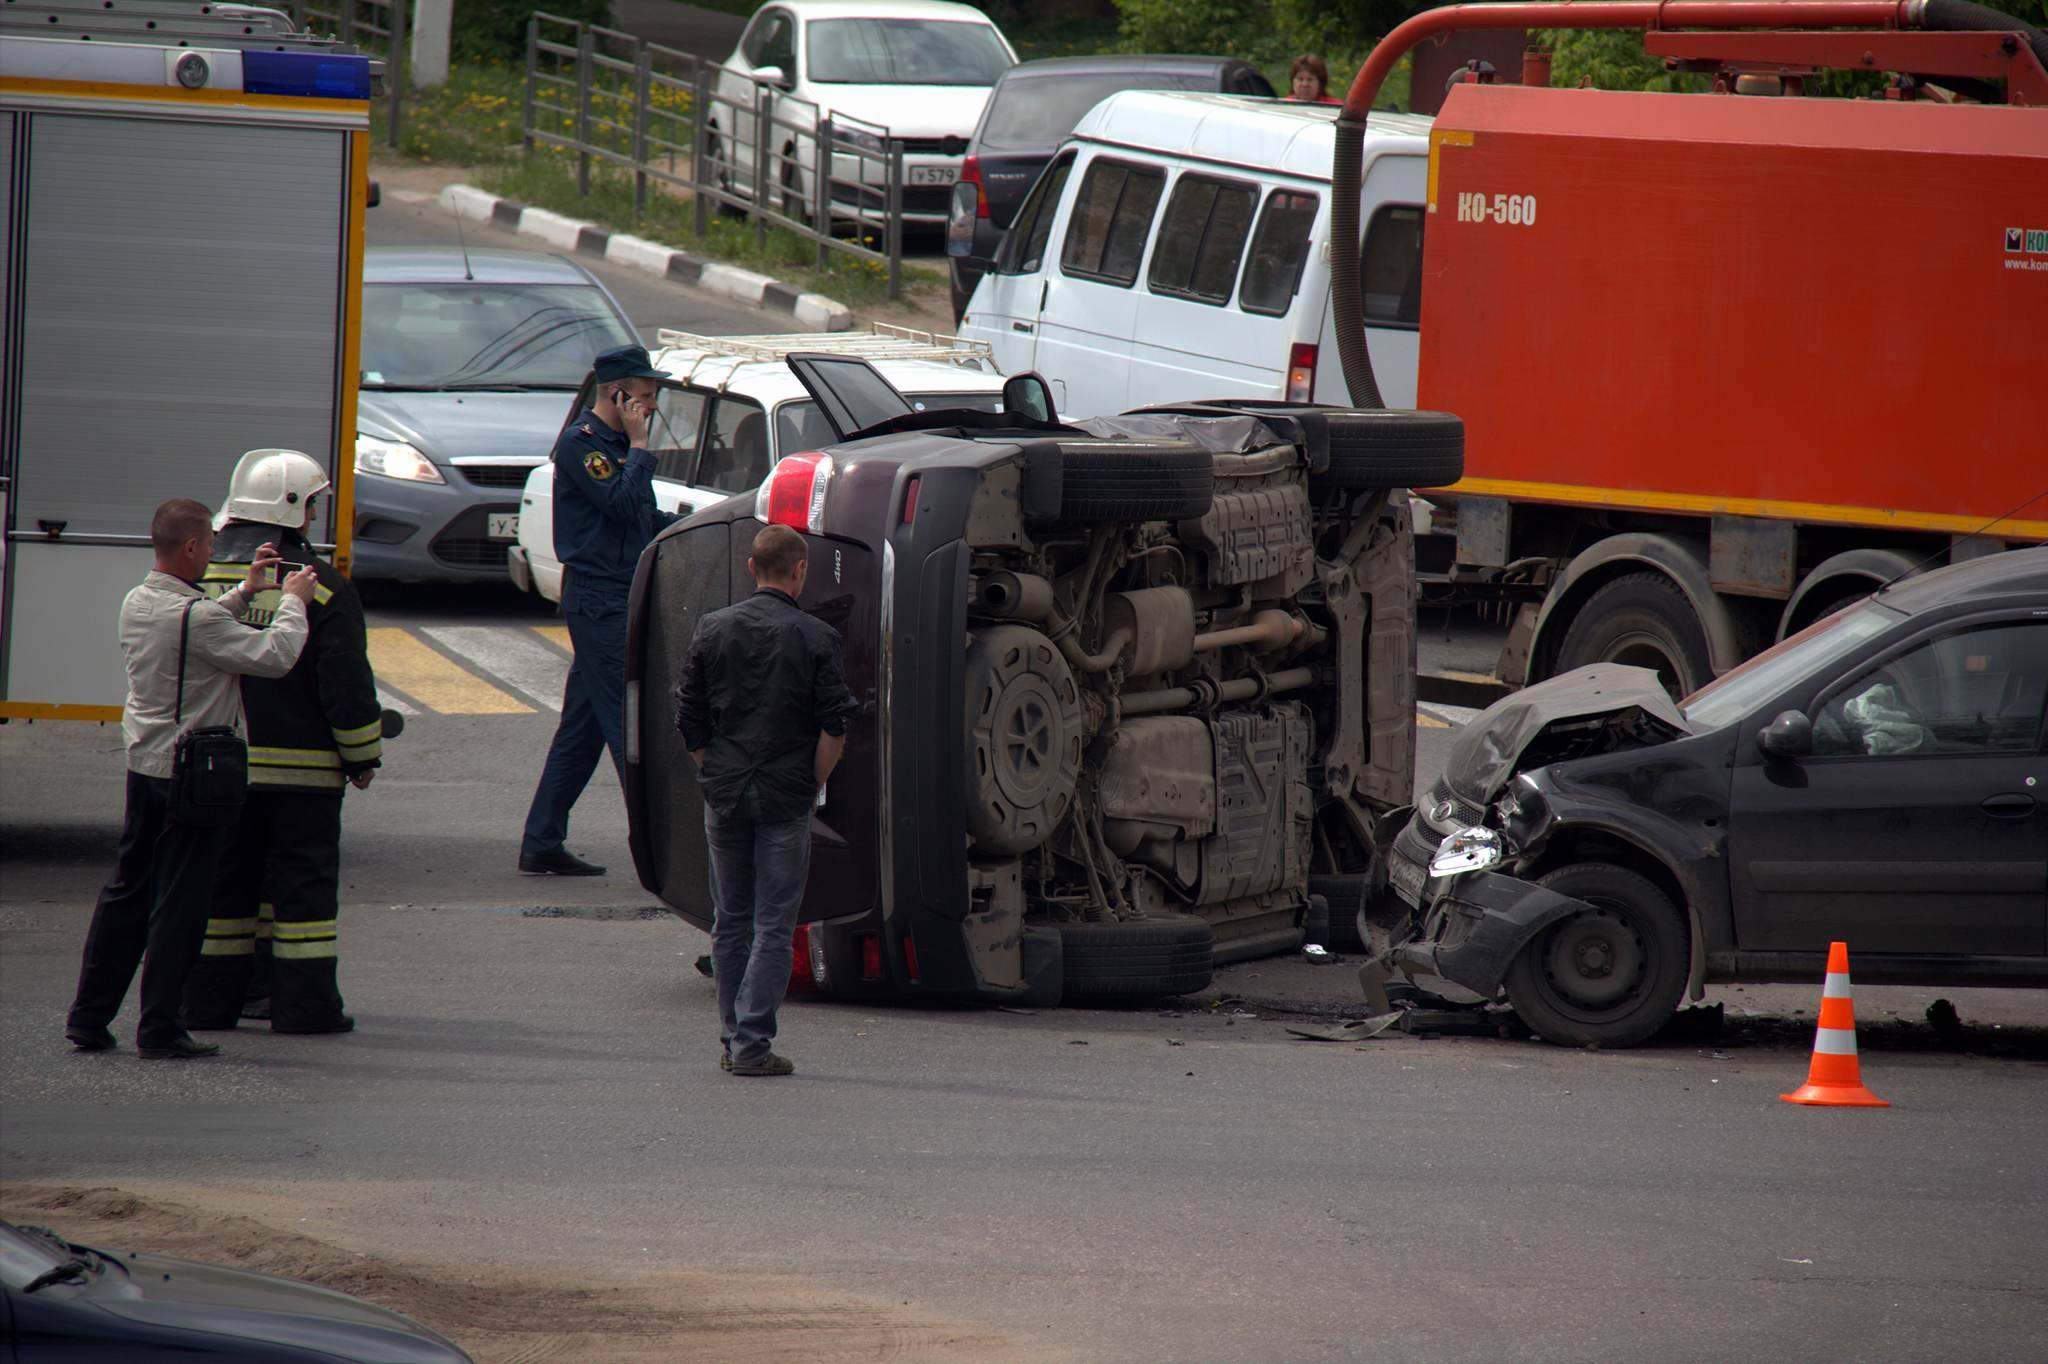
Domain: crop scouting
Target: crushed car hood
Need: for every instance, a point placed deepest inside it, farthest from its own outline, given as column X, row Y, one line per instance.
column 1595, row 709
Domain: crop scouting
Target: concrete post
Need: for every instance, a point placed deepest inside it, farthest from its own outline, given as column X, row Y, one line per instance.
column 431, row 22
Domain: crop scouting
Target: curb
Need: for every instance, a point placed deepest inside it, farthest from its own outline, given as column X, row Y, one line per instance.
column 813, row 311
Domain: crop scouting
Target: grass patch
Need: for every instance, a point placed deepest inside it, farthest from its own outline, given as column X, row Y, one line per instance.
column 547, row 180
column 476, row 119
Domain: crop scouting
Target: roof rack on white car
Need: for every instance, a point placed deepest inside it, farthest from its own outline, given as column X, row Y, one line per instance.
column 883, row 342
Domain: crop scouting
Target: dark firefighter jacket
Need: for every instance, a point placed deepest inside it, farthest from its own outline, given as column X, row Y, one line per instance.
column 320, row 723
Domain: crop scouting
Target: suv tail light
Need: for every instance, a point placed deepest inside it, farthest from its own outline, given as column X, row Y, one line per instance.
column 1301, row 373
column 970, row 174
column 793, row 494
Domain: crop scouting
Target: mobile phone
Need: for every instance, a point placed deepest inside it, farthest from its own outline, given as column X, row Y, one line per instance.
column 282, row 569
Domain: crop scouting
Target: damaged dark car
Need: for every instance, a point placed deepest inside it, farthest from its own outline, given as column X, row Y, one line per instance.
column 1126, row 684
column 1595, row 852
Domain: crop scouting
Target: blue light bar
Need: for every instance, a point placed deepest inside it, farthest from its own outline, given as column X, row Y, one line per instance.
column 306, row 74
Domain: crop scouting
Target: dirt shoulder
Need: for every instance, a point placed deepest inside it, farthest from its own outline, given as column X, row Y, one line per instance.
column 505, row 1316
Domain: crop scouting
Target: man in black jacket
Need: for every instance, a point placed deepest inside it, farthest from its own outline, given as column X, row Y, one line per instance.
column 312, row 733
column 762, row 705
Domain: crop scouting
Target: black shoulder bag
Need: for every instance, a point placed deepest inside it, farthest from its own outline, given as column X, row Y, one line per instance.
column 210, row 769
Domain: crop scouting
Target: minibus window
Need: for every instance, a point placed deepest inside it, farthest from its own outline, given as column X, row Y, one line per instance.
column 1201, row 239
column 1279, row 252
column 1392, row 267
column 1112, row 215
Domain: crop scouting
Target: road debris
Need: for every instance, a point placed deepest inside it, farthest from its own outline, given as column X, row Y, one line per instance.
column 1347, row 1032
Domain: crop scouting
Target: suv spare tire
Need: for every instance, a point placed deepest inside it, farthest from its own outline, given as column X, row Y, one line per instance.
column 1024, row 738
column 1372, row 449
column 1136, row 959
column 1106, row 483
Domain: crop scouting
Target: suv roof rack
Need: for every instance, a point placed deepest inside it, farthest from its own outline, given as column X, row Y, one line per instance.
column 882, row 342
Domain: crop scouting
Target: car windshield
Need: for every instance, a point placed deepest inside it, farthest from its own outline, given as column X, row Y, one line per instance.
column 1032, row 112
column 465, row 335
column 904, row 52
column 800, row 426
column 1819, row 646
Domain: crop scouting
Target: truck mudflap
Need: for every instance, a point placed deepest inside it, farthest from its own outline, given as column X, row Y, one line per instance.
column 1476, row 927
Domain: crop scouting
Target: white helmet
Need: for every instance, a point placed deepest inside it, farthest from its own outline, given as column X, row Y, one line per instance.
column 272, row 486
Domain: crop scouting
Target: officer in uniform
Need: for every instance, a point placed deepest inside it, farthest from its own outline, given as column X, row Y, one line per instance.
column 604, row 516
column 312, row 733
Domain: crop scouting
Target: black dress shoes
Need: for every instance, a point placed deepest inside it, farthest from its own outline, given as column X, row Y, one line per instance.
column 184, row 1047
column 90, row 1039
column 344, row 1023
column 560, row 862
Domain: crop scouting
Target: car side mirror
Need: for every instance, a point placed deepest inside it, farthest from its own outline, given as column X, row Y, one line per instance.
column 1028, row 395
column 773, row 75
column 1790, row 735
column 376, row 196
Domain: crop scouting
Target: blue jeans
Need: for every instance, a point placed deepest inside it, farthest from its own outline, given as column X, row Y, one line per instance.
column 757, row 883
column 593, row 716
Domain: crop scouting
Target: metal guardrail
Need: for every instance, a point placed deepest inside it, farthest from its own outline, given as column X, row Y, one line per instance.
column 373, row 26
column 679, row 120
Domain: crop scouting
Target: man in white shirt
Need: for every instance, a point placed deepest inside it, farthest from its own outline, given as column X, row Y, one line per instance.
column 153, row 911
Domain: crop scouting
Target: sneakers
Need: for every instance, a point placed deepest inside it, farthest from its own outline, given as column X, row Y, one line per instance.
column 768, row 1063
column 560, row 862
column 99, row 1039
column 183, row 1047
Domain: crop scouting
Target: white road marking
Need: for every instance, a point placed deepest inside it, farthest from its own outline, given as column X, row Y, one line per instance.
column 390, row 702
column 508, row 656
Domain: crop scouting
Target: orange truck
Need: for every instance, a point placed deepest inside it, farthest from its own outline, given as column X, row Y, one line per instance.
column 1729, row 361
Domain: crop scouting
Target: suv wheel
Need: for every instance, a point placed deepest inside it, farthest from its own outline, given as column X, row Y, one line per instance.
column 1136, row 485
column 1144, row 957
column 1024, row 738
column 1394, row 449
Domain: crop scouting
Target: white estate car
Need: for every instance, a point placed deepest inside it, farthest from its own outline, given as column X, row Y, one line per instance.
column 731, row 408
column 919, row 69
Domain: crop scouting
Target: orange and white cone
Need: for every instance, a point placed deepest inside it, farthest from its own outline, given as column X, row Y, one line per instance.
column 1835, row 1080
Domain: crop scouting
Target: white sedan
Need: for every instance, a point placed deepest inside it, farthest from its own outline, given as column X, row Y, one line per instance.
column 729, row 411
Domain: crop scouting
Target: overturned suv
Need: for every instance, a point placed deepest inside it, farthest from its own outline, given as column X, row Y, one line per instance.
column 1126, row 684
column 1594, row 850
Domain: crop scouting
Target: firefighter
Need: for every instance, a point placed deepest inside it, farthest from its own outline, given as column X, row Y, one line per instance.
column 312, row 733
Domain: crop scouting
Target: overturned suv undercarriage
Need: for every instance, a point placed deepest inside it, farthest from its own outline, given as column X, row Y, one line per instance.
column 1143, row 689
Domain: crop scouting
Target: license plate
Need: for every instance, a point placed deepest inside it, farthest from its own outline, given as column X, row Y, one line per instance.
column 933, row 175
column 1408, row 879
column 501, row 525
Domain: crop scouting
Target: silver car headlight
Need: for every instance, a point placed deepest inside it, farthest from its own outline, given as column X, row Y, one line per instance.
column 1473, row 849
column 394, row 459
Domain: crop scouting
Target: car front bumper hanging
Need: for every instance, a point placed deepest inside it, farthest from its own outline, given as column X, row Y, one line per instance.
column 1477, row 925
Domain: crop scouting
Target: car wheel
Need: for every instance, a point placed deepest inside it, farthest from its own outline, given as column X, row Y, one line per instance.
column 1641, row 619
column 1138, row 959
column 1136, row 485
column 1024, row 738
column 793, row 204
column 1394, row 449
column 1610, row 975
column 1346, row 897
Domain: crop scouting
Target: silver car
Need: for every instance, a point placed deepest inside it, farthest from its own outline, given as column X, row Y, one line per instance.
column 468, row 366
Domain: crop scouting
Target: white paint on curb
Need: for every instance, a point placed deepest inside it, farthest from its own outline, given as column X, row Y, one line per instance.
column 639, row 253
column 552, row 228
column 729, row 281
column 819, row 313
column 467, row 201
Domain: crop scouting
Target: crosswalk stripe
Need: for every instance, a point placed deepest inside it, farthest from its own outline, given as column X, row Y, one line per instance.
column 558, row 633
column 389, row 702
column 1452, row 715
column 434, row 680
column 1424, row 720
column 509, row 656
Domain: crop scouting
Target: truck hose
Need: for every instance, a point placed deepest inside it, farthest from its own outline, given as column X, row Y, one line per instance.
column 1346, row 242
column 1965, row 16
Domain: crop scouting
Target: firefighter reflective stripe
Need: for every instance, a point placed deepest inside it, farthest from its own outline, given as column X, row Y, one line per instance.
column 304, row 940
column 298, row 778
column 364, row 743
column 229, row 938
column 293, row 757
column 221, row 579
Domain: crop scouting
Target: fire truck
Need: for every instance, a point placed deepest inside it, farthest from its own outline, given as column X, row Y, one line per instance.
column 1727, row 361
column 183, row 186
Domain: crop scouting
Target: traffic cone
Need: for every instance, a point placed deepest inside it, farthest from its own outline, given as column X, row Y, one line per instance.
column 1835, row 1080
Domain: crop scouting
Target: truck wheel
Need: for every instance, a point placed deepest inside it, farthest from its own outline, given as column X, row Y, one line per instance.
column 1610, row 976
column 1346, row 896
column 1371, row 449
column 1136, row 485
column 1642, row 619
column 1024, row 738
column 1145, row 957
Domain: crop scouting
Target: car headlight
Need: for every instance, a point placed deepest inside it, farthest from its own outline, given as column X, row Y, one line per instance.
column 1474, row 849
column 860, row 137
column 394, row 459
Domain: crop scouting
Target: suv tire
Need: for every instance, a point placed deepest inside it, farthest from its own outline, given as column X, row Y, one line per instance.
column 1145, row 957
column 1136, row 485
column 1394, row 449
column 1024, row 738
column 1609, row 977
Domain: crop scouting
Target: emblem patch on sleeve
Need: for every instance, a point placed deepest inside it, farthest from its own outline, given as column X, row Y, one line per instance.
column 597, row 466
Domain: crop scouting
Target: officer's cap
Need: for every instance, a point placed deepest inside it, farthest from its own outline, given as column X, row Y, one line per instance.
column 625, row 362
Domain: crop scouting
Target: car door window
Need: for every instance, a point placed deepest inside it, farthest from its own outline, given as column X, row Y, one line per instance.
column 1392, row 266
column 1033, row 226
column 1201, row 239
column 735, row 447
column 1112, row 216
column 1979, row 689
column 1279, row 252
column 676, row 431
column 772, row 41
